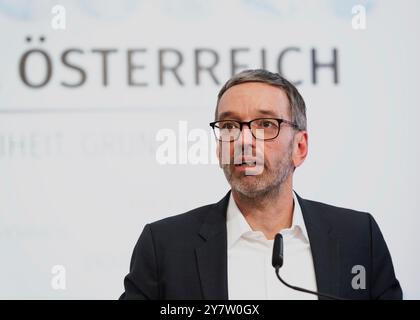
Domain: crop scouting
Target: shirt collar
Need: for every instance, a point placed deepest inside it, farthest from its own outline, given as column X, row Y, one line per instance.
column 237, row 225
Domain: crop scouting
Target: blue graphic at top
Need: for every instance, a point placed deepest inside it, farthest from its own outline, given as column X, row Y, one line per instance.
column 342, row 8
column 119, row 9
column 19, row 9
column 109, row 9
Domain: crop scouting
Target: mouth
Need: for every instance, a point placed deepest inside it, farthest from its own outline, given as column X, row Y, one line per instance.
column 246, row 164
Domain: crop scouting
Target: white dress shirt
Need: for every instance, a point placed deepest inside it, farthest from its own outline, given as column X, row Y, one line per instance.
column 250, row 273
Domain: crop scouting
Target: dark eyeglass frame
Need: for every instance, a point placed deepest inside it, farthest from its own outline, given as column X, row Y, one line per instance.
column 248, row 123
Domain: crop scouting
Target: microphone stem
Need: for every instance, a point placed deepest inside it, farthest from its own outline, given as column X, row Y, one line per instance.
column 331, row 297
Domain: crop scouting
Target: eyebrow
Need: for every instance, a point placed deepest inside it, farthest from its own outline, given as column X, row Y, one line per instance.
column 228, row 114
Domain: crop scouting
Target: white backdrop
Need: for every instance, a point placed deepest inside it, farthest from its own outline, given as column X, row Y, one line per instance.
column 78, row 172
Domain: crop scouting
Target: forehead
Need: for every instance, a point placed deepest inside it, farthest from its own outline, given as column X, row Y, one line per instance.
column 253, row 99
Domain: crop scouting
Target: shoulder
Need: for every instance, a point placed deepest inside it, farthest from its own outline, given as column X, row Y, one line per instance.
column 183, row 221
column 192, row 220
column 340, row 219
column 332, row 211
column 179, row 234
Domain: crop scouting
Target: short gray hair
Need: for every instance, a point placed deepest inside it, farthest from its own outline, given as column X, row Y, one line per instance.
column 296, row 102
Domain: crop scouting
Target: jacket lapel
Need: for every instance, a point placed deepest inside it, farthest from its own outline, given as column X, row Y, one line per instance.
column 212, row 255
column 324, row 247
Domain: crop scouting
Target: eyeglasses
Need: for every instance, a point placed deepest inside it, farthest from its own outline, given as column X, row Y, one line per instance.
column 230, row 130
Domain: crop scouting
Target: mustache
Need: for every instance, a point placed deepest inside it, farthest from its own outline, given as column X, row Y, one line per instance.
column 241, row 155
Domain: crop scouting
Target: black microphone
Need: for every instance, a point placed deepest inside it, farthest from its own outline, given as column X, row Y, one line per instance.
column 277, row 262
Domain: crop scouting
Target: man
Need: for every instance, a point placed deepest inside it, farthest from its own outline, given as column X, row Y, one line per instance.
column 224, row 250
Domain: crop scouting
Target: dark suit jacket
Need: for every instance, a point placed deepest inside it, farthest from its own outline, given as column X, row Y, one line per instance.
column 185, row 256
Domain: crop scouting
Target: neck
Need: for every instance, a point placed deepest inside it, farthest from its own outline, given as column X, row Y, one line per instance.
column 269, row 212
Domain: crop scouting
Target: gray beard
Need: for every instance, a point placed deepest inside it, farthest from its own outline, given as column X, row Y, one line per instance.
column 269, row 182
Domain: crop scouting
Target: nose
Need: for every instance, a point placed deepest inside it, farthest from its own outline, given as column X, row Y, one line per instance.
column 247, row 140
column 246, row 134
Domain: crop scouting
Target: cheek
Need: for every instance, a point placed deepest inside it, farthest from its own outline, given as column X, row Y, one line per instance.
column 272, row 152
column 270, row 155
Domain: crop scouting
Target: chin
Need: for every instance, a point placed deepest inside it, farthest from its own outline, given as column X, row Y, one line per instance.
column 248, row 189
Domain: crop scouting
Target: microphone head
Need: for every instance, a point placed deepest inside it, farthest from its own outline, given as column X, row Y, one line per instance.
column 277, row 259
